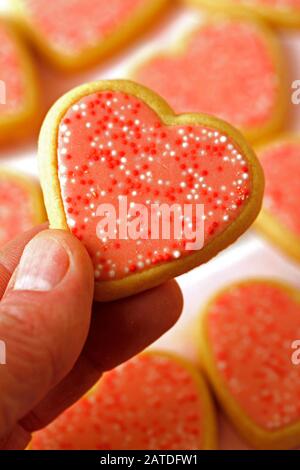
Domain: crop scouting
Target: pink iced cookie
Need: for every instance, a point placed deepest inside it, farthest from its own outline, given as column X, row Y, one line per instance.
column 76, row 33
column 21, row 205
column 154, row 401
column 281, row 12
column 119, row 144
column 18, row 95
column 280, row 218
column 248, row 334
column 229, row 68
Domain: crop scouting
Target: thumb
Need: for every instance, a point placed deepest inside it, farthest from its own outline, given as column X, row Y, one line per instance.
column 44, row 321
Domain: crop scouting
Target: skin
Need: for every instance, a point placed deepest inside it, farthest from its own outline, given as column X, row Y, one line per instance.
column 42, row 377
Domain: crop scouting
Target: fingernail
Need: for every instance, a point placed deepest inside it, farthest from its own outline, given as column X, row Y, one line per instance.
column 43, row 265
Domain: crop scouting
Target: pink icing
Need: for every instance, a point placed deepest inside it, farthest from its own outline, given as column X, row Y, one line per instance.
column 251, row 330
column 281, row 164
column 150, row 402
column 16, row 212
column 226, row 70
column 11, row 75
column 111, row 145
column 75, row 25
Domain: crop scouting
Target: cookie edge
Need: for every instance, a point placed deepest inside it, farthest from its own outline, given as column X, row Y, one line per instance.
column 288, row 19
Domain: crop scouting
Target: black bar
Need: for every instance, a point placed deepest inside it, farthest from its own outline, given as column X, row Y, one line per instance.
column 143, row 459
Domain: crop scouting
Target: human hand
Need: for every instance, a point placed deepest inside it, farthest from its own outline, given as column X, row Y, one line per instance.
column 59, row 343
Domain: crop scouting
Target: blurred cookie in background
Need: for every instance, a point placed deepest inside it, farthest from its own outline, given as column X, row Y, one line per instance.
column 230, row 68
column 155, row 401
column 279, row 12
column 18, row 86
column 279, row 220
column 250, row 334
column 74, row 34
column 21, row 204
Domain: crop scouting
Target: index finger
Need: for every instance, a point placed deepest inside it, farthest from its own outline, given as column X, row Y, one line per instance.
column 119, row 330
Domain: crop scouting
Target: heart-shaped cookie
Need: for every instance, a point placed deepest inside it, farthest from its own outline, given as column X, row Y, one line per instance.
column 280, row 217
column 74, row 34
column 229, row 68
column 18, row 87
column 115, row 147
column 154, row 401
column 281, row 12
column 250, row 332
column 21, row 205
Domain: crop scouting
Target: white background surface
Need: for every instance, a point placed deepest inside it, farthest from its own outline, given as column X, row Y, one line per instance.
column 250, row 257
